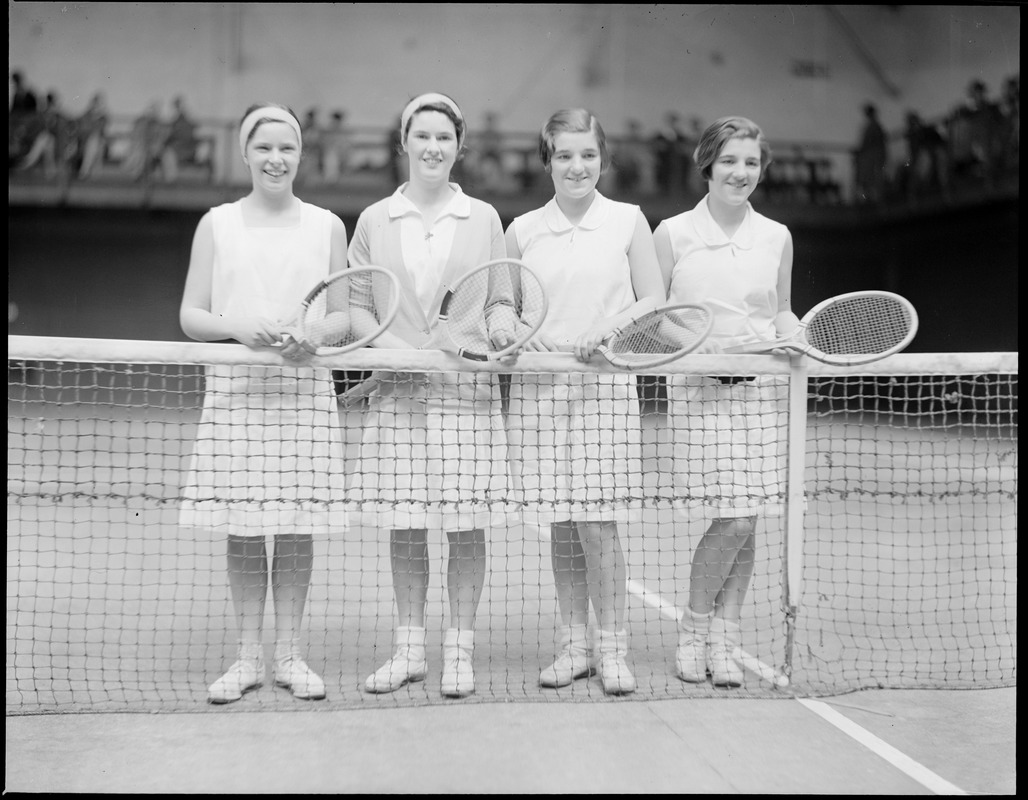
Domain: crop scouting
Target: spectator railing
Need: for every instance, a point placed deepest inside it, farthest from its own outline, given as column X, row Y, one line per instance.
column 802, row 173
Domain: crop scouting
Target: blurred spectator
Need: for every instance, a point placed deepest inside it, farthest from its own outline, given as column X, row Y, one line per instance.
column 23, row 121
column 803, row 182
column 145, row 145
column 394, row 143
column 692, row 181
column 775, row 185
column 91, row 131
column 1010, row 110
column 926, row 166
column 335, row 143
column 311, row 160
column 824, row 188
column 671, row 159
column 23, row 99
column 869, row 159
column 488, row 158
column 181, row 145
column 975, row 134
column 632, row 157
column 54, row 144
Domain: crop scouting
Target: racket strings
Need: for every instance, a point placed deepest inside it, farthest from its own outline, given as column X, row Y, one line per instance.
column 860, row 325
column 496, row 303
column 663, row 333
column 348, row 308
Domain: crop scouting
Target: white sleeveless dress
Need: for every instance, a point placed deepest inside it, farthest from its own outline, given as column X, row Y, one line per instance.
column 575, row 440
column 268, row 453
column 729, row 438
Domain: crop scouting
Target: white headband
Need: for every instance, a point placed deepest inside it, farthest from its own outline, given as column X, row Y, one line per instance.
column 424, row 100
column 267, row 112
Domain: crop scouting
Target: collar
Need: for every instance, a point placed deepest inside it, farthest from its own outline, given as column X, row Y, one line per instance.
column 400, row 205
column 593, row 219
column 712, row 235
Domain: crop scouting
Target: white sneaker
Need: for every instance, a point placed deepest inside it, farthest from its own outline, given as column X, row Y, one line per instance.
column 458, row 670
column 691, row 658
column 691, row 655
column 244, row 675
column 573, row 660
column 615, row 675
column 407, row 665
column 293, row 673
column 723, row 642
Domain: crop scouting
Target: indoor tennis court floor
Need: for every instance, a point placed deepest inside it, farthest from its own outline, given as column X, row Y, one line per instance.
column 870, row 742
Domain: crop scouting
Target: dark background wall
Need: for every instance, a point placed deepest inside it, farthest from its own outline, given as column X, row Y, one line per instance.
column 119, row 273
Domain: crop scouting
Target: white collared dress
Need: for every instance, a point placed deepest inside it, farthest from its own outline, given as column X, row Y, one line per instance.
column 575, row 439
column 268, row 453
column 729, row 436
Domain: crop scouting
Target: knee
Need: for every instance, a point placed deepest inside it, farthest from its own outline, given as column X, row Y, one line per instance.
column 466, row 543
column 739, row 529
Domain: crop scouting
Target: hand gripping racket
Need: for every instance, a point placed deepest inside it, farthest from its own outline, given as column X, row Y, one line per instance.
column 347, row 310
column 658, row 337
column 491, row 312
column 847, row 330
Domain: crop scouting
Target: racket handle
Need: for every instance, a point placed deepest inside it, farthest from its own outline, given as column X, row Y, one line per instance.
column 765, row 347
column 356, row 394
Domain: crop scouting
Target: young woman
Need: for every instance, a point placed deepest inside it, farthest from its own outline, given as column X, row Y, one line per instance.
column 433, row 451
column 574, row 441
column 262, row 464
column 728, row 443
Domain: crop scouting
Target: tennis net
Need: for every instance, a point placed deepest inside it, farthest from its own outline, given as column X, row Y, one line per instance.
column 892, row 564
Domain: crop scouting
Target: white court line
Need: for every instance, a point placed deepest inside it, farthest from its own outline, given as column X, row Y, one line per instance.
column 901, row 761
column 670, row 611
column 654, row 600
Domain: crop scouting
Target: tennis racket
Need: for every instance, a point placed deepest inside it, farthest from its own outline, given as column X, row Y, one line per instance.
column 347, row 310
column 847, row 330
column 491, row 312
column 658, row 337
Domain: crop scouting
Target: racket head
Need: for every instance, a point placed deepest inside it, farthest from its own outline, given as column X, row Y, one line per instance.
column 347, row 310
column 501, row 299
column 658, row 337
column 858, row 327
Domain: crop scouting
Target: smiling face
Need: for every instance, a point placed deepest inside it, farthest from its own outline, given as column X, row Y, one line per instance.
column 273, row 154
column 576, row 165
column 735, row 172
column 431, row 145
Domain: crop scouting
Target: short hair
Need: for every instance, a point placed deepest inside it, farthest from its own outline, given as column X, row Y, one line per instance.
column 458, row 121
column 572, row 120
column 260, row 122
column 719, row 133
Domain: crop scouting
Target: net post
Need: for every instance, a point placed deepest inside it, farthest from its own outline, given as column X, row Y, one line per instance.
column 796, row 459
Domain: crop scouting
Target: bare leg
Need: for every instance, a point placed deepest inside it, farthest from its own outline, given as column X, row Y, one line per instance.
column 408, row 551
column 248, row 584
column 606, row 571
column 290, row 582
column 714, row 560
column 570, row 573
column 728, row 603
column 465, row 576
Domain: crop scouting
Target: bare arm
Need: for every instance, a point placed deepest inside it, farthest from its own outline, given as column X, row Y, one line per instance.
column 665, row 255
column 195, row 316
column 335, row 325
column 538, row 343
column 786, row 320
column 646, row 282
